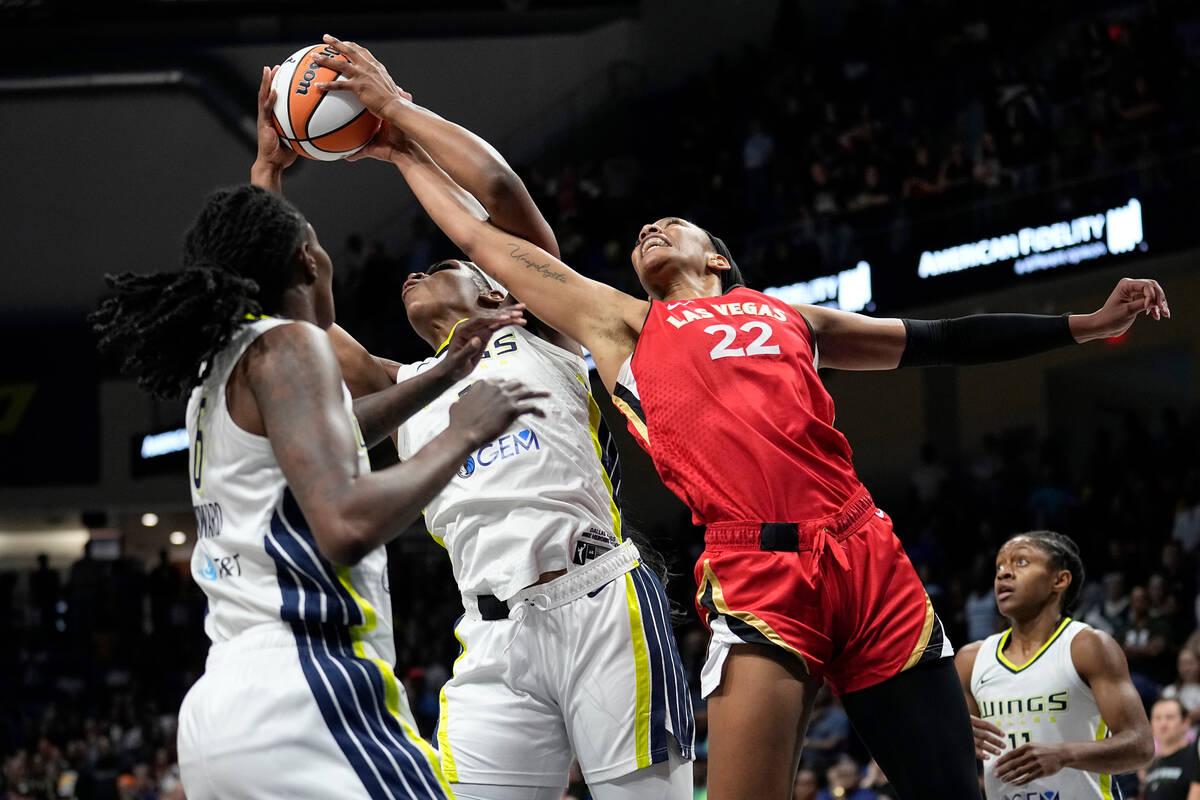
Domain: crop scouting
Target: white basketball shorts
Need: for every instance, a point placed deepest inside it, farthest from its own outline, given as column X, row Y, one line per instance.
column 584, row 664
column 290, row 713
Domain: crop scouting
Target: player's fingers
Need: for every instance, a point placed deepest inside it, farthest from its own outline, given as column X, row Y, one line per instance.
column 983, row 726
column 347, row 48
column 347, row 68
column 529, row 408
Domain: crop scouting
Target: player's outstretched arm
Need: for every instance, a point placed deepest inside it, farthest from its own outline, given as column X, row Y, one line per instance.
column 1101, row 663
column 858, row 342
column 293, row 376
column 989, row 739
column 470, row 161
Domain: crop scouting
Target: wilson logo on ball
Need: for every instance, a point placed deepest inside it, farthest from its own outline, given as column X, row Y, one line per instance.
column 325, row 126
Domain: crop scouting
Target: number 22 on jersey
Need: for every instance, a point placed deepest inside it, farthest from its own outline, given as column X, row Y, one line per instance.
column 758, row 347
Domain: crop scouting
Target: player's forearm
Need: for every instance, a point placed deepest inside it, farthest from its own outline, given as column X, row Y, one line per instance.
column 378, row 506
column 473, row 164
column 380, row 413
column 983, row 338
column 469, row 160
column 454, row 210
column 267, row 176
column 1121, row 752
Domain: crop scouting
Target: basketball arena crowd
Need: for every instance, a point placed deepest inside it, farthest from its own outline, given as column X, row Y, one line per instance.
column 820, row 154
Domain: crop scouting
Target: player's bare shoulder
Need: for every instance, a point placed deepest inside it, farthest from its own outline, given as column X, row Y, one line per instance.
column 964, row 661
column 1096, row 653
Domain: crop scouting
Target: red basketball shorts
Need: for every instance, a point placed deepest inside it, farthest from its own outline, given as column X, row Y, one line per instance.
column 838, row 593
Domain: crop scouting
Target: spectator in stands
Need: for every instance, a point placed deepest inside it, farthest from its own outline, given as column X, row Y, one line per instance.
column 1186, row 529
column 1112, row 614
column 1144, row 640
column 845, row 779
column 806, row 786
column 828, row 731
column 1170, row 774
column 1186, row 686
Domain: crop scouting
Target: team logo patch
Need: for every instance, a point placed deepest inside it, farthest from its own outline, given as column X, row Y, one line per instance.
column 510, row 445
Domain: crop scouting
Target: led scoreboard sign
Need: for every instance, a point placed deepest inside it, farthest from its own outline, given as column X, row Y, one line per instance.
column 1034, row 249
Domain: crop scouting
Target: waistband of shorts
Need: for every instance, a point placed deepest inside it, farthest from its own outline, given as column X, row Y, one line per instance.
column 563, row 589
column 797, row 536
column 264, row 636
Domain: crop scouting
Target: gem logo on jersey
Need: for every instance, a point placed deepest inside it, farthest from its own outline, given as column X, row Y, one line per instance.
column 510, row 445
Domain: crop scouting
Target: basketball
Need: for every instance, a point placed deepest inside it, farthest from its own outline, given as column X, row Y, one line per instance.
column 325, row 126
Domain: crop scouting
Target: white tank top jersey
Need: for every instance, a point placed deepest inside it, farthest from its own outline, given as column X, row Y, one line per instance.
column 535, row 499
column 1044, row 701
column 255, row 556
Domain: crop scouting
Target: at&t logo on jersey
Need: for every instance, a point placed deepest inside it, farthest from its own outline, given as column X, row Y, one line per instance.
column 222, row 567
column 510, row 445
column 1051, row 795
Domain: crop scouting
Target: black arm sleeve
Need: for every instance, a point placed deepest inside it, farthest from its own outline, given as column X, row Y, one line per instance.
column 982, row 338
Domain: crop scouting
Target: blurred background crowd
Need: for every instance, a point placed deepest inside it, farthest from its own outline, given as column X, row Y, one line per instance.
column 100, row 657
column 814, row 155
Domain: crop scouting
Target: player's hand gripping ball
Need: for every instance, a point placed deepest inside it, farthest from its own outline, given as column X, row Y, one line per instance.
column 321, row 125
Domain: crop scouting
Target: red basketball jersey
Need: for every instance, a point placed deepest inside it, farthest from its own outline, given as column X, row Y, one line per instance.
column 723, row 393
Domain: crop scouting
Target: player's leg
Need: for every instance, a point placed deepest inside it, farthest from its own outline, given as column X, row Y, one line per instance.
column 623, row 690
column 895, row 673
column 918, row 730
column 499, row 726
column 757, row 718
column 665, row 780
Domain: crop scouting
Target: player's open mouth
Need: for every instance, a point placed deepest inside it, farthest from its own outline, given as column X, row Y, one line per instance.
column 1003, row 594
column 654, row 240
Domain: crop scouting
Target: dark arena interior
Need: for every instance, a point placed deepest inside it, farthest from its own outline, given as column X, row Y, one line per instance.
column 911, row 159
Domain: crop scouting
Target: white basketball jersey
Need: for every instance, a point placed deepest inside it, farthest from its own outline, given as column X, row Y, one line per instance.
column 1044, row 701
column 255, row 556
column 535, row 499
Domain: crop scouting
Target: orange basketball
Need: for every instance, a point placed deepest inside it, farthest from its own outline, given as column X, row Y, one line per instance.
column 322, row 125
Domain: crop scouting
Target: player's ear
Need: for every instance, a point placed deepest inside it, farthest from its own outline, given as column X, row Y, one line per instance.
column 717, row 262
column 492, row 298
column 1062, row 580
column 306, row 261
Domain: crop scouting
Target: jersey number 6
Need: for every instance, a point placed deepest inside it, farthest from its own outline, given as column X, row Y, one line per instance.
column 758, row 347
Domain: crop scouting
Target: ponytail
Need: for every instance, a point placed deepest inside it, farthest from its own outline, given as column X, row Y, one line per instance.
column 163, row 326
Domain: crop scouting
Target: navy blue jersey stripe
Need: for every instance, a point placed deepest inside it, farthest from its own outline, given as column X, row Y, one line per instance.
column 685, row 723
column 610, row 457
column 675, row 683
column 348, row 691
column 307, row 591
column 355, row 753
column 658, row 687
column 297, row 524
column 370, row 691
column 360, row 699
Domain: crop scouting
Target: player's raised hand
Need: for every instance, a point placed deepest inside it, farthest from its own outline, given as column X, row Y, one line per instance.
column 470, row 339
column 989, row 739
column 362, row 74
column 273, row 155
column 487, row 408
column 385, row 145
column 1131, row 297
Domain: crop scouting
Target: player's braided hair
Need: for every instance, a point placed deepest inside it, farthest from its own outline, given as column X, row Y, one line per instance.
column 235, row 262
column 1064, row 554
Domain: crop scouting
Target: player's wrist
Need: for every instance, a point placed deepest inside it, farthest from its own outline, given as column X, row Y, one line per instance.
column 1084, row 327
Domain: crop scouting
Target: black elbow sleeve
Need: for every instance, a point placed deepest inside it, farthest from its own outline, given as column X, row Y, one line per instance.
column 982, row 338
